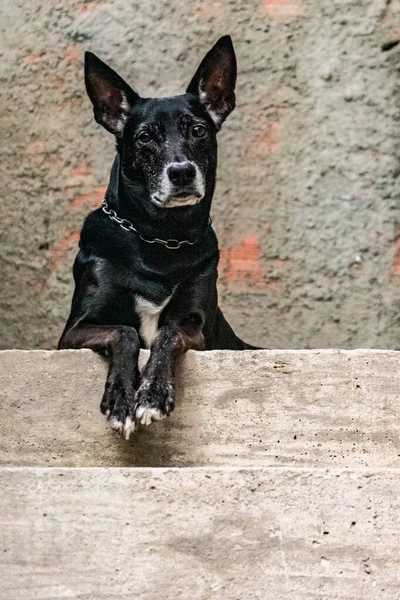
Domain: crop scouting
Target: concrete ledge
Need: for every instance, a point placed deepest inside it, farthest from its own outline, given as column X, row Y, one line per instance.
column 243, row 532
column 301, row 408
column 171, row 534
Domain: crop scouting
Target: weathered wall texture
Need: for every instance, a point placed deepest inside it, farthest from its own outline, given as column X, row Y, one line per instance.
column 307, row 200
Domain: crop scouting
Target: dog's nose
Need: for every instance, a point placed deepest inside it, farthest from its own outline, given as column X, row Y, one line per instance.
column 181, row 174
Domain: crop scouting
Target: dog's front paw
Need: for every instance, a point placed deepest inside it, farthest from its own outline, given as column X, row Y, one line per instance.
column 118, row 406
column 154, row 400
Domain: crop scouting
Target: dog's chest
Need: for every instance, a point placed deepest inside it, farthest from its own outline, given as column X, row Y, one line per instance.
column 149, row 314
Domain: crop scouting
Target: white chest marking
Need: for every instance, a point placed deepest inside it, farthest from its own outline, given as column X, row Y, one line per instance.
column 149, row 313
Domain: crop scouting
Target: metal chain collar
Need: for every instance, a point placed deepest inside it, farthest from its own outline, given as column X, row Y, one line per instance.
column 127, row 225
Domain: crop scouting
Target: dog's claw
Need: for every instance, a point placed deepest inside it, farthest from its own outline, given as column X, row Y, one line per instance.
column 154, row 400
column 146, row 419
column 124, row 430
column 147, row 414
column 129, row 427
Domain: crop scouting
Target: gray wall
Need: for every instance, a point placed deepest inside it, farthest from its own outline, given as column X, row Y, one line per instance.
column 307, row 202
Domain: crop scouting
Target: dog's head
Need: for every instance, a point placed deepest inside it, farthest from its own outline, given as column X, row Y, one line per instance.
column 167, row 146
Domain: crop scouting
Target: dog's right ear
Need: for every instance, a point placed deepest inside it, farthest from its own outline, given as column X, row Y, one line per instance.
column 111, row 96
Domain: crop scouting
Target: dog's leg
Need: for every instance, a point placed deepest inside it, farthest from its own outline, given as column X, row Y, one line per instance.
column 155, row 397
column 122, row 345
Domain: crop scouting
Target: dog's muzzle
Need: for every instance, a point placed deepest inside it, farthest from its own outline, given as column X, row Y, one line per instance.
column 182, row 184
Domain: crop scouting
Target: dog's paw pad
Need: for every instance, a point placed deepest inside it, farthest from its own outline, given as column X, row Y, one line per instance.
column 147, row 414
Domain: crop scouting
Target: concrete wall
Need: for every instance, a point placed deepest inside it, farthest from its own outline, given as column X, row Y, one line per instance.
column 307, row 199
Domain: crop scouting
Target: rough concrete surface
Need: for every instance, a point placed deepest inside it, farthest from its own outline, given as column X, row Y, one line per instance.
column 265, row 408
column 226, row 534
column 306, row 205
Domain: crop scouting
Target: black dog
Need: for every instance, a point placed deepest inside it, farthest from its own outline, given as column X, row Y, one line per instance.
column 146, row 271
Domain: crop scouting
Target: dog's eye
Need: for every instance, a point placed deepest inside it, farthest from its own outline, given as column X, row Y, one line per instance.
column 199, row 131
column 144, row 137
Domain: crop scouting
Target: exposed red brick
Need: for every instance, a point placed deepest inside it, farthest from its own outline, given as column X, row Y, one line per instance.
column 86, row 7
column 82, row 170
column 266, row 143
column 73, row 104
column 59, row 250
column 33, row 59
column 282, row 8
column 37, row 147
column 208, row 10
column 241, row 266
column 37, row 284
column 91, row 199
column 391, row 21
column 73, row 54
column 396, row 260
column 260, row 146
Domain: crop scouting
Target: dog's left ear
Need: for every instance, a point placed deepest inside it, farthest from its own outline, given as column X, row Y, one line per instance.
column 215, row 80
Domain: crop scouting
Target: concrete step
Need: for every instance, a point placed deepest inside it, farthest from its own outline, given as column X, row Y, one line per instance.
column 200, row 533
column 325, row 408
column 287, row 490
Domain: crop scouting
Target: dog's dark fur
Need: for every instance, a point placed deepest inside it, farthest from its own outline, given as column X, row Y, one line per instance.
column 162, row 181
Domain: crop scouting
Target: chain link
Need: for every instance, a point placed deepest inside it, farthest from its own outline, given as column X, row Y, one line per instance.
column 127, row 225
